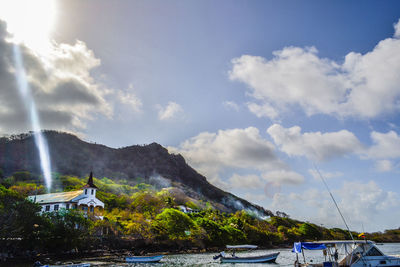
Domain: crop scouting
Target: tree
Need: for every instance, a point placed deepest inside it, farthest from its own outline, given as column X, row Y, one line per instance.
column 19, row 218
column 173, row 224
column 309, row 231
column 213, row 230
column 148, row 203
column 65, row 230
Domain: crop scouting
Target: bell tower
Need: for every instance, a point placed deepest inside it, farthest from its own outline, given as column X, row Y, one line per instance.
column 90, row 188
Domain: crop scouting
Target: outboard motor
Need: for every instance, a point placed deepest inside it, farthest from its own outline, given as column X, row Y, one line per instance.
column 216, row 257
column 222, row 254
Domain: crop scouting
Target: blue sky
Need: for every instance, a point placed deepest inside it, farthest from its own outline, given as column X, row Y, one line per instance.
column 252, row 93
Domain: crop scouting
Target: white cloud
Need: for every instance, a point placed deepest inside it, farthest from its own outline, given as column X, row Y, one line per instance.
column 362, row 86
column 230, row 105
column 384, row 165
column 254, row 198
column 65, row 92
column 397, row 29
column 270, row 181
column 283, row 177
column 361, row 204
column 172, row 110
column 131, row 100
column 213, row 153
column 386, row 145
column 325, row 175
column 371, row 202
column 264, row 110
column 314, row 145
column 250, row 181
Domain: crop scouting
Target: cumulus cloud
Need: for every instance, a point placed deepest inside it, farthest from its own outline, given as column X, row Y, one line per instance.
column 385, row 145
column 65, row 92
column 314, row 145
column 364, row 85
column 172, row 110
column 359, row 202
column 372, row 201
column 212, row 153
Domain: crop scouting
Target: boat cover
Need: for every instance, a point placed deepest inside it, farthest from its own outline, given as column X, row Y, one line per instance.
column 307, row 245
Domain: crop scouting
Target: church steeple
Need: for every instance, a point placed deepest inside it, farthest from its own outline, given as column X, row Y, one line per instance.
column 90, row 183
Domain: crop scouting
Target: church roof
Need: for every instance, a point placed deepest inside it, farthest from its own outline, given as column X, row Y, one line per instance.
column 90, row 183
column 56, row 197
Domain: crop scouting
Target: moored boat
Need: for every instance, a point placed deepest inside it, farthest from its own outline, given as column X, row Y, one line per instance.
column 349, row 253
column 143, row 259
column 247, row 259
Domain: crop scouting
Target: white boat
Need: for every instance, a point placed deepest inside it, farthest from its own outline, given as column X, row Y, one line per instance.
column 248, row 259
column 142, row 259
column 349, row 253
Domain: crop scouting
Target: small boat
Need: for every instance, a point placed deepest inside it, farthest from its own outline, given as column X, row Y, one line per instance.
column 248, row 259
column 144, row 258
column 349, row 253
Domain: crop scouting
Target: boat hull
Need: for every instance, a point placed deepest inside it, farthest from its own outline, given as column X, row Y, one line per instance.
column 256, row 259
column 378, row 261
column 144, row 259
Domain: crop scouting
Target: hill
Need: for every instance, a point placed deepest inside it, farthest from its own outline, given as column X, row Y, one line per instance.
column 153, row 163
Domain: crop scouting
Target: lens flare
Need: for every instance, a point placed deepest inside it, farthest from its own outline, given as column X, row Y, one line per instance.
column 29, row 102
column 30, row 22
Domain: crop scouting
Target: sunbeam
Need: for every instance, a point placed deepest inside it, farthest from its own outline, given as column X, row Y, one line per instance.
column 29, row 102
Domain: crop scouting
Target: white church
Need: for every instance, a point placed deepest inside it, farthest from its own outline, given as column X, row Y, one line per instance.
column 84, row 200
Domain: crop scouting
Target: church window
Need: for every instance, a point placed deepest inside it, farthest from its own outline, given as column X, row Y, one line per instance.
column 92, row 191
column 47, row 208
column 55, row 207
column 85, row 191
column 67, row 206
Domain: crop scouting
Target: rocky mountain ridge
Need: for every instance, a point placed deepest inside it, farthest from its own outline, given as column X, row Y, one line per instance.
column 73, row 156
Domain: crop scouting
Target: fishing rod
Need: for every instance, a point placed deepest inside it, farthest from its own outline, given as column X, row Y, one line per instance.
column 334, row 201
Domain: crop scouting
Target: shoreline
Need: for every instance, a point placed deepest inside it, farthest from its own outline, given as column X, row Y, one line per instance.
column 107, row 256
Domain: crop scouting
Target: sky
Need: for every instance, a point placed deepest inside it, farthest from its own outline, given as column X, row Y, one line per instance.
column 258, row 96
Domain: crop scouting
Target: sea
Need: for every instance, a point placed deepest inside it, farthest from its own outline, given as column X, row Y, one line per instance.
column 286, row 258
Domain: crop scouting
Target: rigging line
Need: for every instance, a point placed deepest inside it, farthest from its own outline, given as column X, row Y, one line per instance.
column 334, row 201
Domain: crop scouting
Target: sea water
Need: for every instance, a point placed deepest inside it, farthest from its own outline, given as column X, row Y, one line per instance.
column 285, row 258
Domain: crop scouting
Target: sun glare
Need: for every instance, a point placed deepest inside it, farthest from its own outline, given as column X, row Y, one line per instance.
column 29, row 21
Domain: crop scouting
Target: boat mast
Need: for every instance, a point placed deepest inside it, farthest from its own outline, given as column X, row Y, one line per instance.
column 334, row 201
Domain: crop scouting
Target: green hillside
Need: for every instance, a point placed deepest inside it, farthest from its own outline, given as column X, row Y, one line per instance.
column 141, row 217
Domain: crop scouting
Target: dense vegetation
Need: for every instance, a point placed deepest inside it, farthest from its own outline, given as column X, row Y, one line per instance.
column 73, row 156
column 143, row 215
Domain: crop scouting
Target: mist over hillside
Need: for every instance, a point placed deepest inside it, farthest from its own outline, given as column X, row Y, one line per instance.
column 73, row 156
